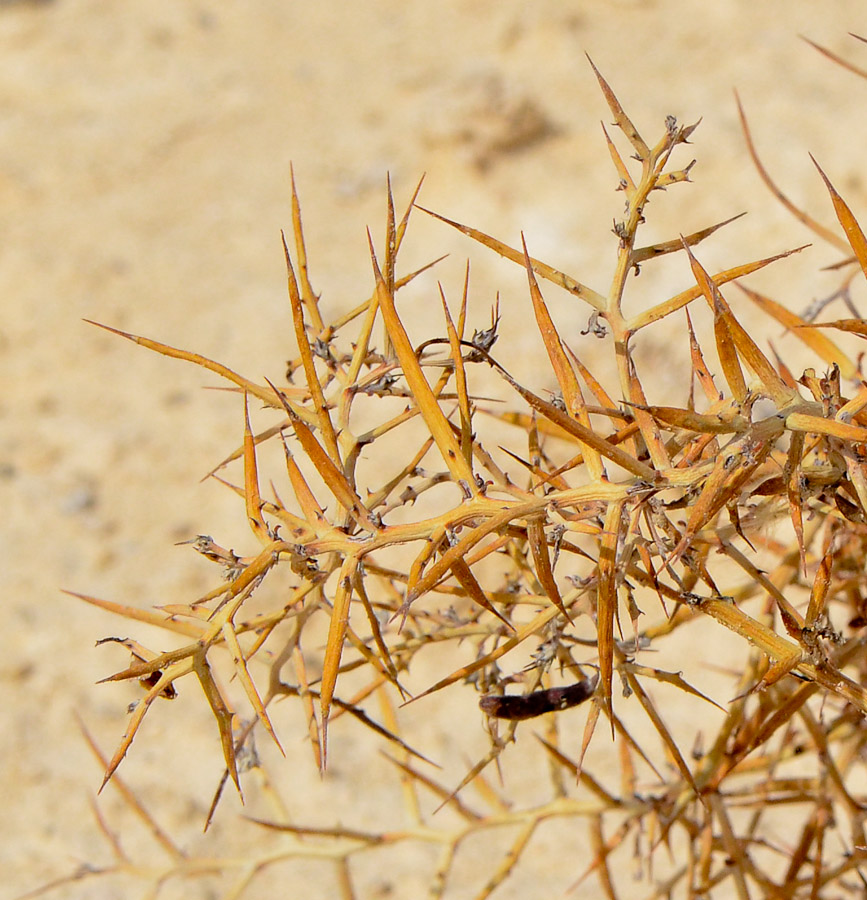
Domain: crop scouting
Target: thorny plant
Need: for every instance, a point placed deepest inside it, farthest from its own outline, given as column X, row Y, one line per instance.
column 631, row 518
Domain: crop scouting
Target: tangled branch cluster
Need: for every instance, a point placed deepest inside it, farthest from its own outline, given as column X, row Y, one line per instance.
column 631, row 518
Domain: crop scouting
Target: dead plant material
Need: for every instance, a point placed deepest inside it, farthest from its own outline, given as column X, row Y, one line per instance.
column 720, row 514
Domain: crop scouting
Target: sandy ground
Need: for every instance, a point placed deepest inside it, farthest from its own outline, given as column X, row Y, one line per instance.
column 144, row 172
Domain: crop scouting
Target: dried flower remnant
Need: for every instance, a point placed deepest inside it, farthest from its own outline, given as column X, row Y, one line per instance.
column 538, row 703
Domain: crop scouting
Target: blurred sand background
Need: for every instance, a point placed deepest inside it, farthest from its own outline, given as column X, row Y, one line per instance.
column 144, row 177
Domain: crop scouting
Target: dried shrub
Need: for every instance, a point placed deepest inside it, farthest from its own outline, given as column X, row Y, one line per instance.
column 626, row 524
